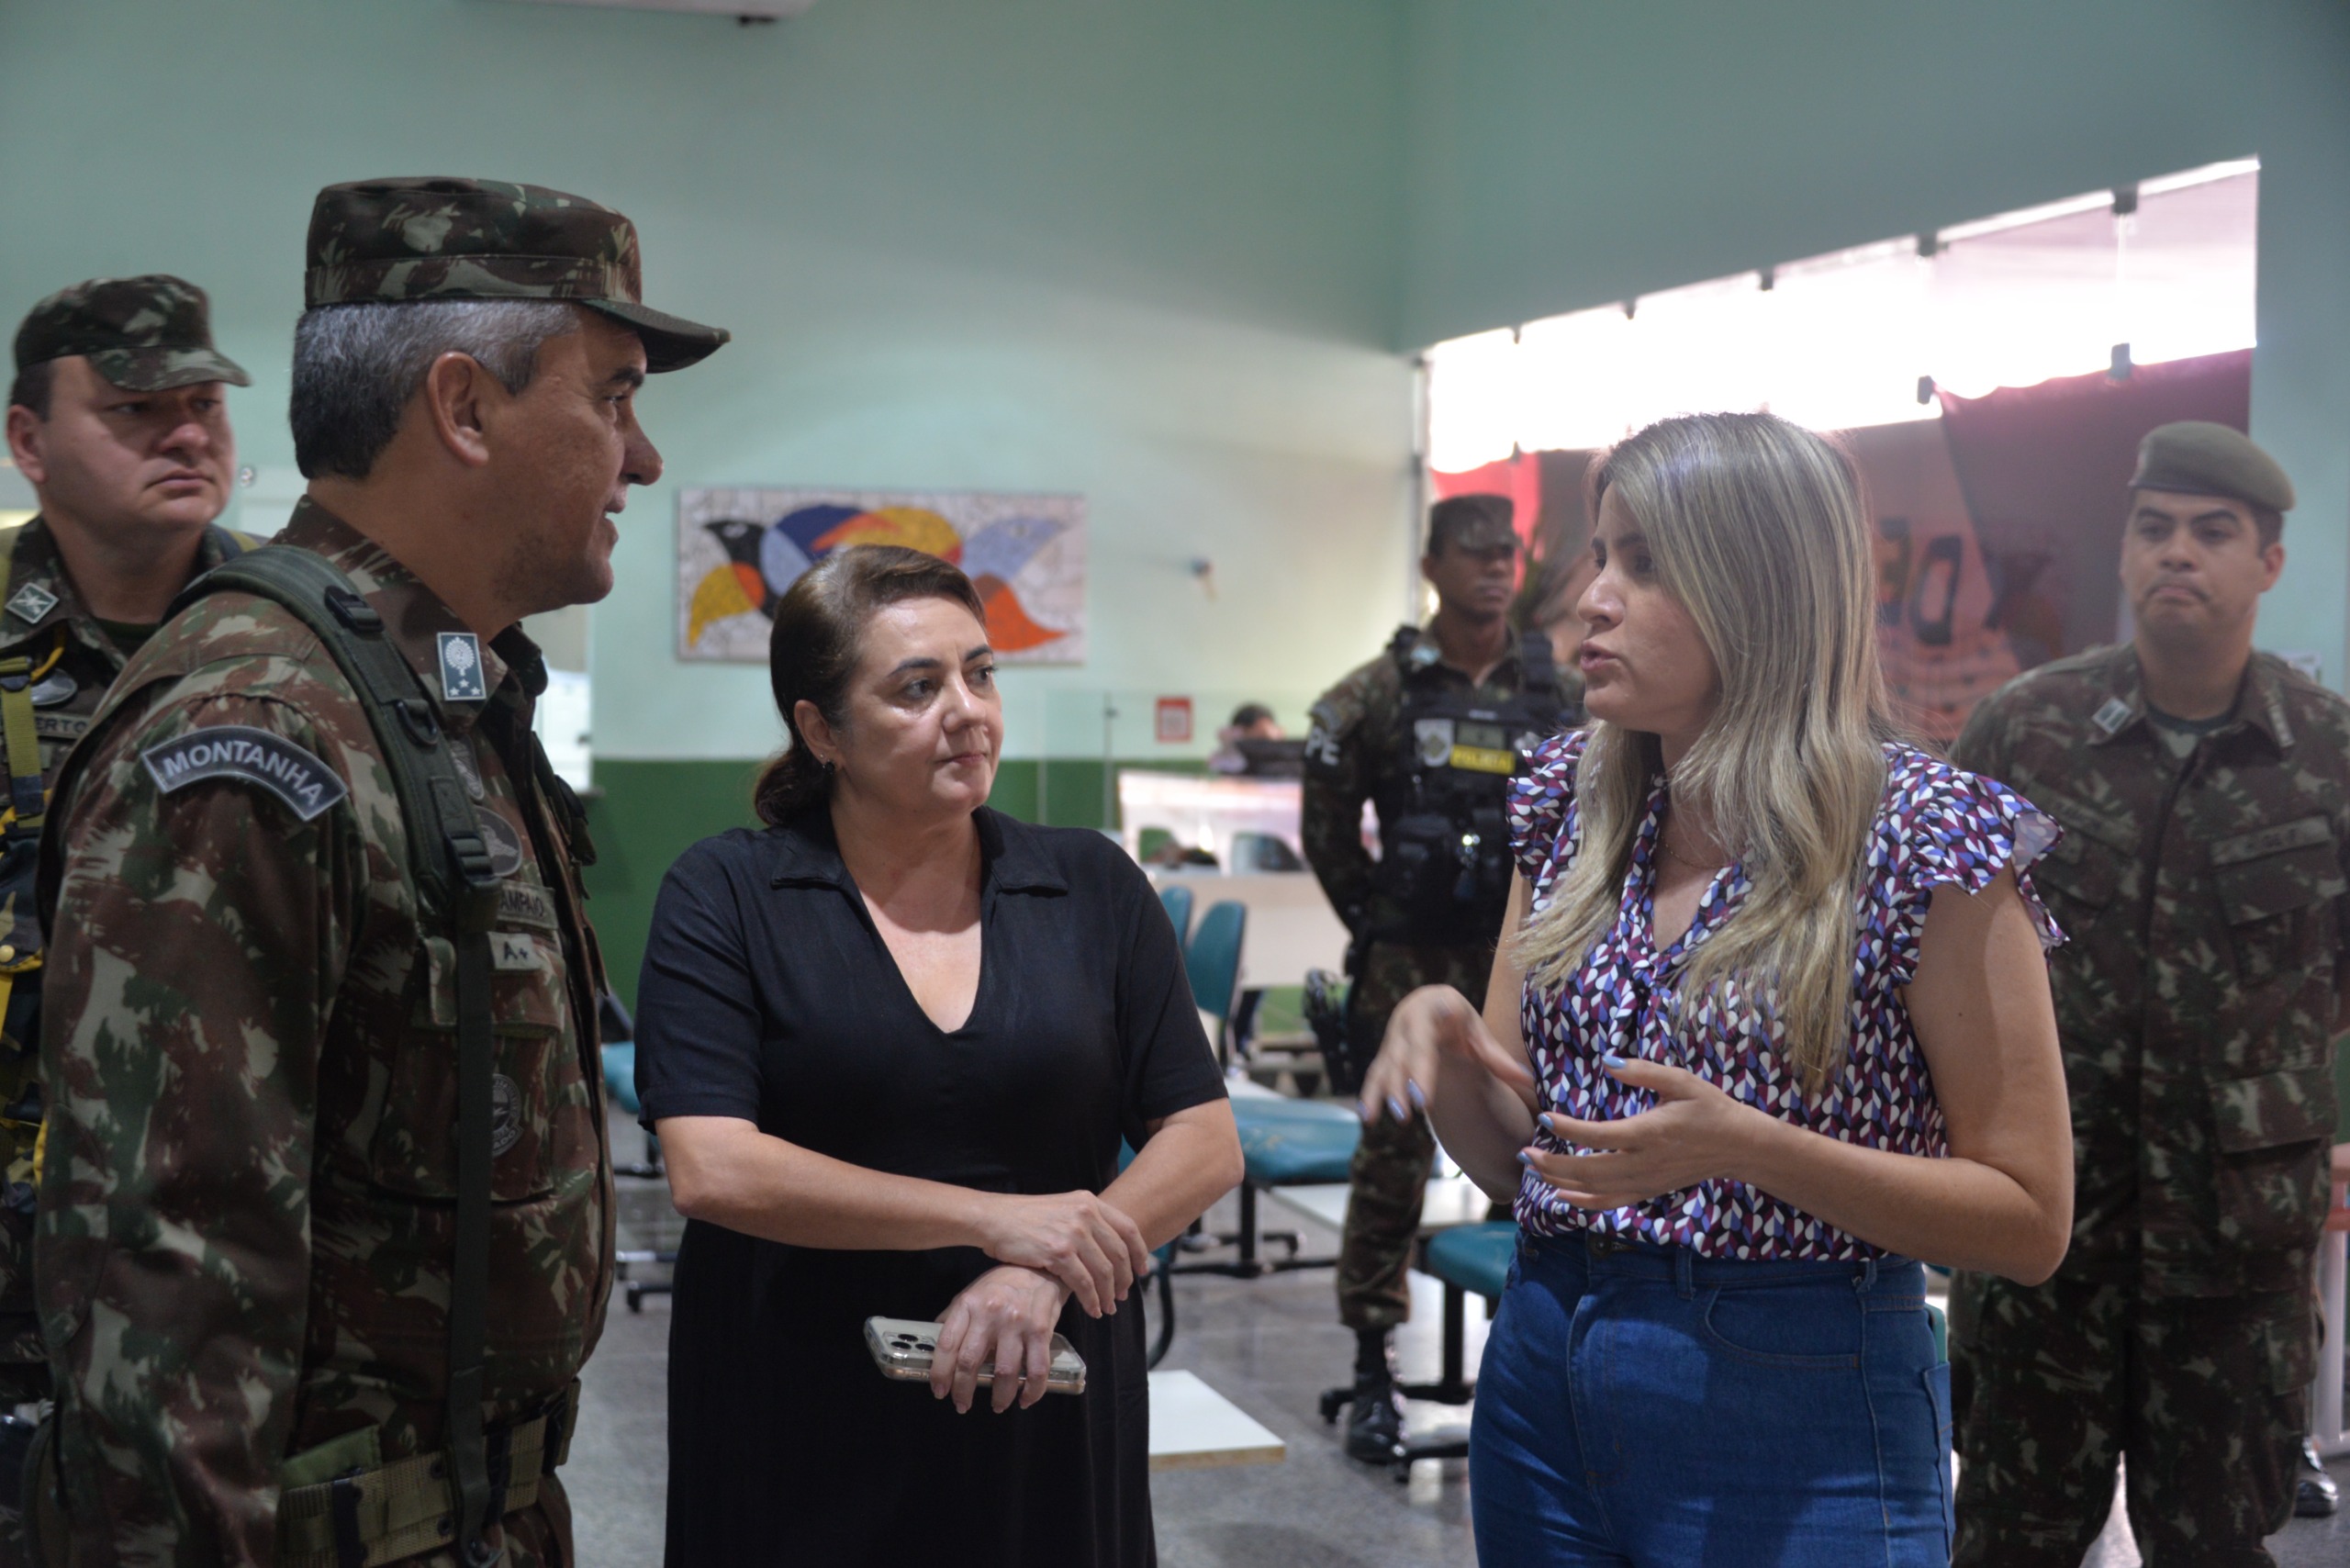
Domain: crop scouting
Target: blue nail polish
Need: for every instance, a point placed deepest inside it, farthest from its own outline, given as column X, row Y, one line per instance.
column 1395, row 1107
column 1611, row 1058
column 1417, row 1098
column 1525, row 1158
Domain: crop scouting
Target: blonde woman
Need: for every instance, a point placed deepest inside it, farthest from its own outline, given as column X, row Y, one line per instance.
column 1770, row 1020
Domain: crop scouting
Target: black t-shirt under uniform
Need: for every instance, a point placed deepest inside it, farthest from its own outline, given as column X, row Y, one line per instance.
column 769, row 994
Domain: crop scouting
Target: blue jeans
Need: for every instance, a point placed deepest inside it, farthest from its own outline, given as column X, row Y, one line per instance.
column 1643, row 1405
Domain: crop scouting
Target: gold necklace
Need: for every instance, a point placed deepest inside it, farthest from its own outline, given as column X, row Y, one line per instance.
column 1683, row 859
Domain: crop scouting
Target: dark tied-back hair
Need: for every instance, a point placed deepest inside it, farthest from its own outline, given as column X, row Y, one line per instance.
column 819, row 633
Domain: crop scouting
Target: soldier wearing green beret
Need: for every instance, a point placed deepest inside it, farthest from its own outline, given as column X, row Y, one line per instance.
column 325, row 1216
column 2204, row 881
column 118, row 418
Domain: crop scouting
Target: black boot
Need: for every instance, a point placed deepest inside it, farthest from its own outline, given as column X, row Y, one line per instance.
column 2315, row 1496
column 1375, row 1415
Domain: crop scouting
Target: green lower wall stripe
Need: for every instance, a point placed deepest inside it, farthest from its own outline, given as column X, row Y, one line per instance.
column 644, row 814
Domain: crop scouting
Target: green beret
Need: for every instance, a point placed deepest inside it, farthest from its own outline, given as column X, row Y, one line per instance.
column 1470, row 523
column 396, row 241
column 144, row 334
column 2195, row 457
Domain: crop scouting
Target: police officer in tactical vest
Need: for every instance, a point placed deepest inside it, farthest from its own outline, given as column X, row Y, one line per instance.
column 1429, row 732
column 120, row 420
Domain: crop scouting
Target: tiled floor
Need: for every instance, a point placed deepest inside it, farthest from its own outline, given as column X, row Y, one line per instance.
column 1269, row 1345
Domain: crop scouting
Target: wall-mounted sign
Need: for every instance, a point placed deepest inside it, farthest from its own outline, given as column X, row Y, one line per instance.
column 1172, row 720
column 738, row 550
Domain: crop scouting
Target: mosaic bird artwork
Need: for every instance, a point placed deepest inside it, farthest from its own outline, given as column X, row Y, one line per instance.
column 763, row 559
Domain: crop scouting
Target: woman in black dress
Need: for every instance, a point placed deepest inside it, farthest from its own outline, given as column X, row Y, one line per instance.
column 890, row 1045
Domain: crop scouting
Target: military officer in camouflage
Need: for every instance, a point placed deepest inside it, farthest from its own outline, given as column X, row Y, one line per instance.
column 253, row 1253
column 1430, row 733
column 2204, row 791
column 119, row 419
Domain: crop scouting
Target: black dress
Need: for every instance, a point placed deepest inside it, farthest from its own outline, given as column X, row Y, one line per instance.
column 769, row 994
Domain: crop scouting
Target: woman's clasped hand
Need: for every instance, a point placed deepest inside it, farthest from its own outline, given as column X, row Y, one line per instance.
column 1085, row 1243
column 1004, row 1318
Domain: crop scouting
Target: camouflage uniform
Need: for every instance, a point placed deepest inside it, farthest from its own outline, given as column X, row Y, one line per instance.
column 72, row 663
column 1356, row 750
column 245, row 1212
column 247, row 1244
column 143, row 334
column 2204, row 897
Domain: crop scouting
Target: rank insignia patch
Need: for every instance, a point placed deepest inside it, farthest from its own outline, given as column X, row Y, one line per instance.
column 2112, row 717
column 30, row 603
column 304, row 782
column 461, row 677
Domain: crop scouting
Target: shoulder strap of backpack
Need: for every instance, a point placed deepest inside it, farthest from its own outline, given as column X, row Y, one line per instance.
column 457, row 890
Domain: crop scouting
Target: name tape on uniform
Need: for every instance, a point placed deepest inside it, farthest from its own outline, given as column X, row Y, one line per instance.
column 525, row 905
column 304, row 782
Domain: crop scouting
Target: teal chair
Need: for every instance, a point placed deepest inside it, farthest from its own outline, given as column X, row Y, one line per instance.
column 1284, row 1142
column 620, row 1084
column 1177, row 900
column 1212, row 962
column 1161, row 1263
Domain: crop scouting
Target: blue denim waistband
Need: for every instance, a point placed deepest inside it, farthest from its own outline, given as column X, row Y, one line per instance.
column 1628, row 1258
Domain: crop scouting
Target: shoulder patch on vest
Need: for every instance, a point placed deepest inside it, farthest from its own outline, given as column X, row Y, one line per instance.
column 306, row 785
column 31, row 603
column 461, row 673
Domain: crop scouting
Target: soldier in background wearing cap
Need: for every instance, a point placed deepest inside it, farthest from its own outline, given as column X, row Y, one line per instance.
column 1429, row 732
column 119, row 419
column 2204, row 791
column 277, row 1335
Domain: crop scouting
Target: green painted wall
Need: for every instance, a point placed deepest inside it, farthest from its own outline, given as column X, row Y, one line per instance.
column 644, row 814
column 1562, row 153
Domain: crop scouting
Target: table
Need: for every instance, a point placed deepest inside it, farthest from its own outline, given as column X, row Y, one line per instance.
column 1194, row 1428
column 1451, row 1201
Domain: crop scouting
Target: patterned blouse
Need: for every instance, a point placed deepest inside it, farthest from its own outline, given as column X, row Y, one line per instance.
column 1938, row 825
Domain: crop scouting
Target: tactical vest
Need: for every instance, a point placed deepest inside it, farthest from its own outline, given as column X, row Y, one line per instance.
column 1444, row 865
column 21, row 675
column 373, row 1513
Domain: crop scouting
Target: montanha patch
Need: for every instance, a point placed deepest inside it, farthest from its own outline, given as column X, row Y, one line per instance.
column 304, row 782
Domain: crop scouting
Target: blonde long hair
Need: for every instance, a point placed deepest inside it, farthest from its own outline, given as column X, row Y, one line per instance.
column 1756, row 528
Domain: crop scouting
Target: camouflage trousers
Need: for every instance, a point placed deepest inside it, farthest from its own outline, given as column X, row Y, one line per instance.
column 2052, row 1384
column 1389, row 1173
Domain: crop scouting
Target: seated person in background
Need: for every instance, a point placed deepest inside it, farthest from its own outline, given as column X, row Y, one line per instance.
column 890, row 1045
column 1250, row 721
column 1770, row 1020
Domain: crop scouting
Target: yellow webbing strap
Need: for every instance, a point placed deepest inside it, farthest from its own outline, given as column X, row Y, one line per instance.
column 407, row 1506
column 28, row 801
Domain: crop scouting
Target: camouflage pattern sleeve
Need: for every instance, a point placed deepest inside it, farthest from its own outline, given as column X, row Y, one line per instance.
column 1977, row 749
column 1338, row 781
column 201, row 932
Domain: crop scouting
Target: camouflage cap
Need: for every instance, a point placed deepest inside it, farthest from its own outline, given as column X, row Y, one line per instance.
column 144, row 334
column 1470, row 523
column 388, row 240
column 2197, row 457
